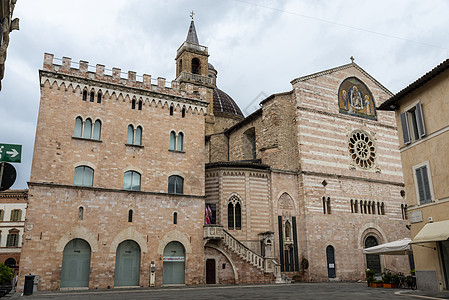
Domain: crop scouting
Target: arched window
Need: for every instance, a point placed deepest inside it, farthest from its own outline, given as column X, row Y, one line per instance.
column 131, row 181
column 287, row 230
column 78, row 127
column 382, row 208
column 180, row 142
column 361, row 206
column 133, row 104
column 352, row 206
column 84, row 95
column 196, row 66
column 172, row 140
column 171, row 110
column 364, row 207
column 183, row 112
column 84, row 176
column 327, row 205
column 356, row 207
column 97, row 130
column 130, row 215
column 130, row 135
column 249, row 144
column 92, row 96
column 175, row 218
column 373, row 208
column 234, row 213
column 80, row 213
column 369, row 207
column 138, row 137
column 87, row 132
column 175, row 184
column 140, row 105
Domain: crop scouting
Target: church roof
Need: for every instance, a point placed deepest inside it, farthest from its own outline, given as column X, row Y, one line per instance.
column 223, row 103
column 191, row 35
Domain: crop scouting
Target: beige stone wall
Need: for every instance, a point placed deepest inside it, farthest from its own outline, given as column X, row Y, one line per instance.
column 237, row 145
column 52, row 221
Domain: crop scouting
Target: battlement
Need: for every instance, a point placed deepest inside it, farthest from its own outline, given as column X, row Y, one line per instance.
column 100, row 73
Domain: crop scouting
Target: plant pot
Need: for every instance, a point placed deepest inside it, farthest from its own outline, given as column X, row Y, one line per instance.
column 389, row 285
column 378, row 284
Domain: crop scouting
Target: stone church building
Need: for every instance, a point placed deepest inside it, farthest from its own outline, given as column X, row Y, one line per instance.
column 141, row 184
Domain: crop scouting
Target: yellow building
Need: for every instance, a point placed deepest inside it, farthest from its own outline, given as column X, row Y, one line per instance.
column 423, row 121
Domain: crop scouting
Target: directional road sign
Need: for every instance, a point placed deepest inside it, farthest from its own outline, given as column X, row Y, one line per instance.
column 10, row 153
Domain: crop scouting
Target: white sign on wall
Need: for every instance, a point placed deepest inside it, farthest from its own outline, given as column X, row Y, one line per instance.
column 415, row 216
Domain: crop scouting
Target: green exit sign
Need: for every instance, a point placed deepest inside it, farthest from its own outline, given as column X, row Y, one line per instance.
column 10, row 153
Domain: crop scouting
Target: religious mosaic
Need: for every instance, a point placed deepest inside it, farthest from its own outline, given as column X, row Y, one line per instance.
column 355, row 99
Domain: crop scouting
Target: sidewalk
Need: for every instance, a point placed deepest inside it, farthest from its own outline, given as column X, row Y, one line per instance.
column 424, row 294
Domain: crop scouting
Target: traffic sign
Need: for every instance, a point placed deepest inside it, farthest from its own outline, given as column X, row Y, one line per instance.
column 8, row 176
column 10, row 153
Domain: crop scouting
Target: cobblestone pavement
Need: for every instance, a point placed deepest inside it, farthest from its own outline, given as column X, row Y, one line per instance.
column 334, row 290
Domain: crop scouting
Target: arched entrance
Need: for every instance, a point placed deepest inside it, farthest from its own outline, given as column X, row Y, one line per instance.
column 76, row 264
column 330, row 256
column 174, row 264
column 127, row 264
column 373, row 260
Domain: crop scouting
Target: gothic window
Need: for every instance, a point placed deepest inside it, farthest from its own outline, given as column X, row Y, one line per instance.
column 183, row 112
column 138, row 136
column 130, row 215
column 97, row 130
column 180, row 142
column 78, row 127
column 373, row 208
column 362, row 149
column 140, row 105
column 356, row 207
column 131, row 181
column 361, row 206
column 134, row 137
column 172, row 140
column 175, row 184
column 171, row 110
column 382, row 209
column 99, row 97
column 133, row 104
column 372, row 260
column 378, row 208
column 175, row 218
column 287, row 231
column 234, row 213
column 84, row 95
column 369, row 207
column 92, row 96
column 196, row 66
column 84, row 176
column 80, row 213
column 87, row 132
column 130, row 135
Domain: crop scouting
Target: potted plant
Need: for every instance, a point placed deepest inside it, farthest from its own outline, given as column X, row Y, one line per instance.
column 387, row 280
column 6, row 275
column 369, row 276
column 376, row 283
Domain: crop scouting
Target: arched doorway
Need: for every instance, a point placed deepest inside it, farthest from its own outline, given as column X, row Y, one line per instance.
column 174, row 264
column 330, row 256
column 373, row 260
column 127, row 264
column 76, row 264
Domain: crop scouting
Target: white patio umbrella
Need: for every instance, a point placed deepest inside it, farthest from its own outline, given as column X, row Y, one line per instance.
column 399, row 247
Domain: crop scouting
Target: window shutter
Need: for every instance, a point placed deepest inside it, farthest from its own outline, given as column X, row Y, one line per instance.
column 2, row 212
column 420, row 182
column 420, row 120
column 12, row 216
column 405, row 129
column 8, row 240
column 427, row 195
column 20, row 215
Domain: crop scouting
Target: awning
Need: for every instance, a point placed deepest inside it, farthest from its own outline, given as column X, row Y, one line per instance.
column 399, row 247
column 433, row 232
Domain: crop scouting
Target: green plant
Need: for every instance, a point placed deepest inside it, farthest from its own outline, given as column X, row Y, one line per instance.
column 412, row 272
column 6, row 274
column 395, row 279
column 387, row 277
column 304, row 263
column 369, row 276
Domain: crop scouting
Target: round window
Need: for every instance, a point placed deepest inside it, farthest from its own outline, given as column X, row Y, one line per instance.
column 362, row 149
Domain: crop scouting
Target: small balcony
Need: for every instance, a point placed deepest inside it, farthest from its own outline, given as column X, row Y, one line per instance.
column 194, row 78
column 189, row 46
column 213, row 232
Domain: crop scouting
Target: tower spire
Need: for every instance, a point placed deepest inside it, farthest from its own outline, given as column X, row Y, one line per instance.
column 191, row 35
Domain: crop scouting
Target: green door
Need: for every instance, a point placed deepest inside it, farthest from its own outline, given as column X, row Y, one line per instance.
column 127, row 264
column 75, row 264
column 174, row 264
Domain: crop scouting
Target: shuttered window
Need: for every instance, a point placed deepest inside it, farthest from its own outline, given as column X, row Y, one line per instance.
column 412, row 123
column 16, row 215
column 422, row 180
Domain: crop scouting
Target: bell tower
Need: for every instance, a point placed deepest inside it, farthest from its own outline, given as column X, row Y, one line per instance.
column 192, row 67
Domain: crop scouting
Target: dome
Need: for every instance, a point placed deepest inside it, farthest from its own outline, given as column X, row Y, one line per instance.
column 210, row 66
column 223, row 103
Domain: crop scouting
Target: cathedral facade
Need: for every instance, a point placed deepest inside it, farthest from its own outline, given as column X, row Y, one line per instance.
column 140, row 184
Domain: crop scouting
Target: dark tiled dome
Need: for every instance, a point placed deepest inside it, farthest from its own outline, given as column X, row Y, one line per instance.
column 223, row 103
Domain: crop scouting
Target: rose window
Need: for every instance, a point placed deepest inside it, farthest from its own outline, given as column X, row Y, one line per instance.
column 362, row 149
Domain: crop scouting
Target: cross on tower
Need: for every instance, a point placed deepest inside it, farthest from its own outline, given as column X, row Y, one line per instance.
column 352, row 59
column 192, row 14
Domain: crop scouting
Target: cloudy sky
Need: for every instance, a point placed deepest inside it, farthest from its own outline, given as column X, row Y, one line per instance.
column 258, row 47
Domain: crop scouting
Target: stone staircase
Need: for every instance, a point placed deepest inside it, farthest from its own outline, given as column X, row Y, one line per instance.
column 265, row 264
